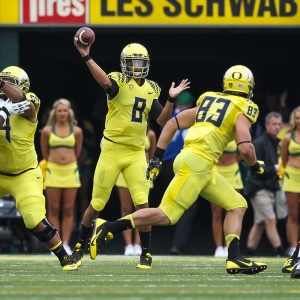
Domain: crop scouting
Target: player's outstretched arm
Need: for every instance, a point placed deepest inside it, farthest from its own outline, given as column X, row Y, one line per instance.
column 174, row 91
column 99, row 75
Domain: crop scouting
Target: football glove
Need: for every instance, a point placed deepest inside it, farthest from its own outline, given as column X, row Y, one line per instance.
column 258, row 167
column 8, row 108
column 154, row 168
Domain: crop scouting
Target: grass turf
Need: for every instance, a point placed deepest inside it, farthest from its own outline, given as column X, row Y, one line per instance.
column 38, row 277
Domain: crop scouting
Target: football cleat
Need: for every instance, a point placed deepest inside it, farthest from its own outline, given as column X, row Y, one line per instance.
column 68, row 264
column 77, row 255
column 100, row 237
column 145, row 262
column 244, row 266
column 289, row 265
column 296, row 270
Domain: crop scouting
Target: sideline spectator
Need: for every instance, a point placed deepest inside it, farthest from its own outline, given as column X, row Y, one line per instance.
column 290, row 148
column 61, row 143
column 264, row 191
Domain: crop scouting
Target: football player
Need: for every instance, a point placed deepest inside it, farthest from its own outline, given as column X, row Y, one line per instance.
column 20, row 175
column 218, row 119
column 131, row 100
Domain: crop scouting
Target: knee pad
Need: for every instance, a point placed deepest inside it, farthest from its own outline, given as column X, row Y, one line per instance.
column 47, row 233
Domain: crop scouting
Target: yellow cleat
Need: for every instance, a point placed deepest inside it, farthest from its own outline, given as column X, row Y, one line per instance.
column 77, row 255
column 100, row 237
column 289, row 265
column 244, row 266
column 145, row 262
column 68, row 264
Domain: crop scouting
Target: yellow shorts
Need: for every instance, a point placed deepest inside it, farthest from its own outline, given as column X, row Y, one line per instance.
column 194, row 176
column 232, row 174
column 62, row 176
column 113, row 159
column 291, row 180
column 27, row 189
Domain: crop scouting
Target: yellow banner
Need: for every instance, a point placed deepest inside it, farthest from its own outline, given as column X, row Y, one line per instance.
column 9, row 12
column 195, row 12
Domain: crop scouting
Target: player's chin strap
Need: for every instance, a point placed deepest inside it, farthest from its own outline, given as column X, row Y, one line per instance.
column 243, row 142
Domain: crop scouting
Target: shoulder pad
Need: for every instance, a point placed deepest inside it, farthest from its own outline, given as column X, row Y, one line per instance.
column 34, row 99
column 119, row 77
column 154, row 85
column 201, row 98
column 248, row 108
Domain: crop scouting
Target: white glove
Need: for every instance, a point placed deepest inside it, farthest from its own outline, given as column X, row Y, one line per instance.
column 9, row 108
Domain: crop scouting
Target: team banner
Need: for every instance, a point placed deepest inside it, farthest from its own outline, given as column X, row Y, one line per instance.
column 195, row 12
column 156, row 13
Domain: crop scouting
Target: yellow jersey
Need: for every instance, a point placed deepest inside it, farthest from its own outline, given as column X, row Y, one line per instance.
column 214, row 125
column 127, row 117
column 17, row 150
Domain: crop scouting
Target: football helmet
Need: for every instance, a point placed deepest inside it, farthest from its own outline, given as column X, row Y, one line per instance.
column 16, row 77
column 239, row 80
column 135, row 61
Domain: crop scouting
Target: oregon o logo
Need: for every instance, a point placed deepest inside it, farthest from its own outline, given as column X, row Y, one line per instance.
column 237, row 75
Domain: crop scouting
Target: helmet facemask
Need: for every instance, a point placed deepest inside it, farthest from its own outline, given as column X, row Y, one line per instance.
column 16, row 77
column 135, row 61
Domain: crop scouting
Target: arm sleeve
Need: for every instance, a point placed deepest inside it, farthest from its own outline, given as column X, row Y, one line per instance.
column 113, row 90
column 156, row 109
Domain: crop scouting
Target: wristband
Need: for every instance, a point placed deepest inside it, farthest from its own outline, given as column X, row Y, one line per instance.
column 159, row 153
column 86, row 58
column 171, row 100
column 2, row 83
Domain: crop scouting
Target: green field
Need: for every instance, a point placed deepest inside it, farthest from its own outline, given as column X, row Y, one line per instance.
column 38, row 277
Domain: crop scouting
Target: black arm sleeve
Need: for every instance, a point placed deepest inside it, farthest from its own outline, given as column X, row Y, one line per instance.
column 156, row 109
column 113, row 90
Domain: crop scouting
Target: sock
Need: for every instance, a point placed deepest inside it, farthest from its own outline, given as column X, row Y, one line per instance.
column 84, row 235
column 250, row 251
column 232, row 241
column 59, row 251
column 145, row 242
column 119, row 225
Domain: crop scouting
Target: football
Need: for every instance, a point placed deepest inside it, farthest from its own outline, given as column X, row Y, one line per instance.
column 85, row 36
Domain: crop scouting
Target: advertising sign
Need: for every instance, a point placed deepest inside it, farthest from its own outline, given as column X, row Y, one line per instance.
column 54, row 11
column 152, row 13
column 195, row 13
